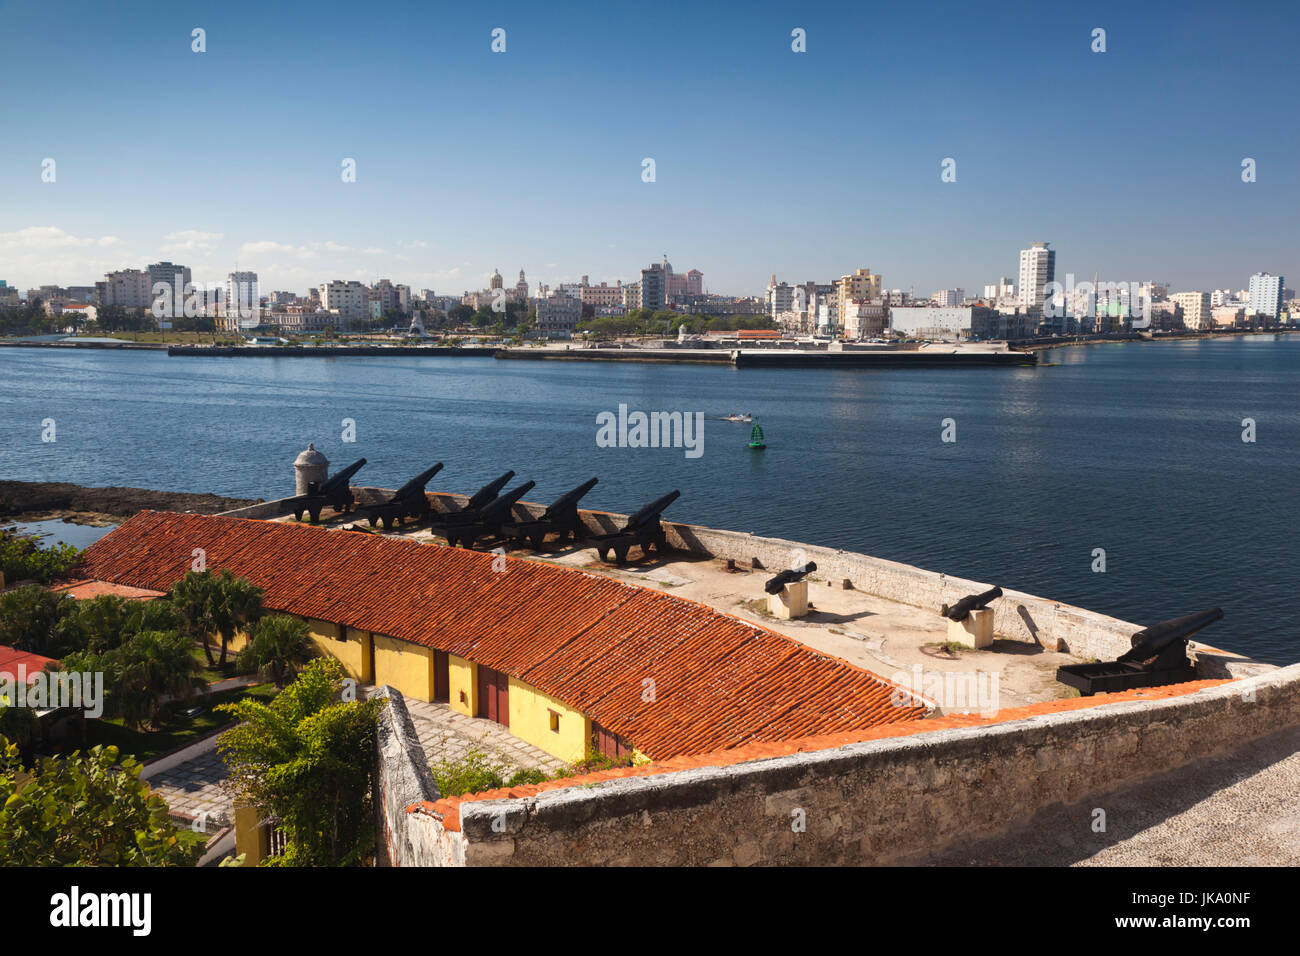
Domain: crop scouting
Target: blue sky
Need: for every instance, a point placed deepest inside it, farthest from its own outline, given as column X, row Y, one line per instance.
column 807, row 165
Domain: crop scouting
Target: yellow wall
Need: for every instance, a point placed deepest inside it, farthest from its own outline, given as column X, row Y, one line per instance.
column 462, row 677
column 530, row 720
column 407, row 666
column 353, row 654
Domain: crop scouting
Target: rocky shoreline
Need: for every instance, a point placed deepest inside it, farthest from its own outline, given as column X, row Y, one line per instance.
column 44, row 501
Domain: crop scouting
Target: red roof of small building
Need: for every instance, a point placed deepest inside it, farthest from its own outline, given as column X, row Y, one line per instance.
column 86, row 590
column 592, row 642
column 11, row 658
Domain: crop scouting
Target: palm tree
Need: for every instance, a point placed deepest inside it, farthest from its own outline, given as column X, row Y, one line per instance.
column 147, row 671
column 216, row 604
column 280, row 646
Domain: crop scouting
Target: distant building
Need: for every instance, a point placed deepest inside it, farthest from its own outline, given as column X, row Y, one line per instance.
column 1196, row 309
column 243, row 302
column 349, row 301
column 859, row 285
column 1266, row 294
column 169, row 303
column 1037, row 270
column 861, row 319
column 128, row 288
column 956, row 324
column 654, row 286
column 557, row 316
column 948, row 298
column 603, row 296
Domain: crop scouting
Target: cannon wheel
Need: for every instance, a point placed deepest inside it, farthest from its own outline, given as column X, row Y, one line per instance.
column 297, row 515
column 315, row 515
column 621, row 554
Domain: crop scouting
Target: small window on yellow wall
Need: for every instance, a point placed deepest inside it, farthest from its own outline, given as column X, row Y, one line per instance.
column 555, row 721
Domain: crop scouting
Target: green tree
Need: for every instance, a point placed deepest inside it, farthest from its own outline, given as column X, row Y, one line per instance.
column 39, row 621
column 280, row 646
column 22, row 558
column 306, row 760
column 85, row 810
column 217, row 604
column 142, row 675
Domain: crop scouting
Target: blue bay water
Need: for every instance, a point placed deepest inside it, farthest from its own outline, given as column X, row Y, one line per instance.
column 1132, row 448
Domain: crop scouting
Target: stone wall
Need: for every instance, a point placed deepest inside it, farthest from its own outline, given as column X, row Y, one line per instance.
column 1017, row 616
column 402, row 778
column 890, row 801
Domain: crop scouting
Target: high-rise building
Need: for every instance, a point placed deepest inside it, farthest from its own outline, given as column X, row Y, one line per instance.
column 1037, row 270
column 948, row 298
column 243, row 301
column 1196, row 309
column 170, row 303
column 1266, row 294
column 654, row 286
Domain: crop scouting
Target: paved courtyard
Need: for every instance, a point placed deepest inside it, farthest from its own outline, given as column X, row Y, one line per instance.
column 447, row 735
column 195, row 788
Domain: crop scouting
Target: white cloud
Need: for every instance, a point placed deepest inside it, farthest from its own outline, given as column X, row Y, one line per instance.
column 268, row 247
column 189, row 240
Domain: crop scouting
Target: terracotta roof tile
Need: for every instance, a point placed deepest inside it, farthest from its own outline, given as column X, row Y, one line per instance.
column 588, row 640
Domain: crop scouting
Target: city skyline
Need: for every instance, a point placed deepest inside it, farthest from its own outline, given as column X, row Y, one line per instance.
column 469, row 160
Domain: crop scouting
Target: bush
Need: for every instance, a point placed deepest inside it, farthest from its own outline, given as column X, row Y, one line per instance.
column 22, row 558
column 473, row 773
column 85, row 810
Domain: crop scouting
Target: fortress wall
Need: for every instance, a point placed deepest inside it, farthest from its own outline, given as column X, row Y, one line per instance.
column 884, row 802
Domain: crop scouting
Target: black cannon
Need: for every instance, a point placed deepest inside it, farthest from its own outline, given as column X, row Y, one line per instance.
column 971, row 602
column 489, row 521
column 560, row 517
column 641, row 528
column 409, row 501
column 470, row 513
column 1158, row 657
column 333, row 491
column 775, row 584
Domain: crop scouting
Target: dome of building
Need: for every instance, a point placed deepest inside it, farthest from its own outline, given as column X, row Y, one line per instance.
column 496, row 281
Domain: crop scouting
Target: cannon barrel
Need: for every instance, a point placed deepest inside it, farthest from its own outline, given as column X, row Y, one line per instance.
column 416, row 484
column 971, row 602
column 489, row 491
column 569, row 499
column 775, row 584
column 651, row 511
column 1157, row 637
column 338, row 480
column 500, row 507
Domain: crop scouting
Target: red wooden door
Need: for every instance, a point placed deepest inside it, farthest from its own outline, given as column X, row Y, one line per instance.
column 493, row 695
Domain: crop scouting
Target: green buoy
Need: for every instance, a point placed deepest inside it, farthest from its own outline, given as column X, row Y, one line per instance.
column 756, row 438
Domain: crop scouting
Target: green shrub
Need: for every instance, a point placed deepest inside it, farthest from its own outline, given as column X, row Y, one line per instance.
column 473, row 773
column 22, row 558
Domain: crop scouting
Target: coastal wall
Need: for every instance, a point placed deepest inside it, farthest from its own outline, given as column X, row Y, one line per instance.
column 1017, row 615
column 884, row 802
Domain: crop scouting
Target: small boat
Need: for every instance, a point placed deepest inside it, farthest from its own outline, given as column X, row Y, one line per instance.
column 756, row 438
column 746, row 419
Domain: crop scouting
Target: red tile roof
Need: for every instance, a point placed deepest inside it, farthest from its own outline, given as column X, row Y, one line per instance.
column 11, row 658
column 85, row 590
column 447, row 809
column 590, row 641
